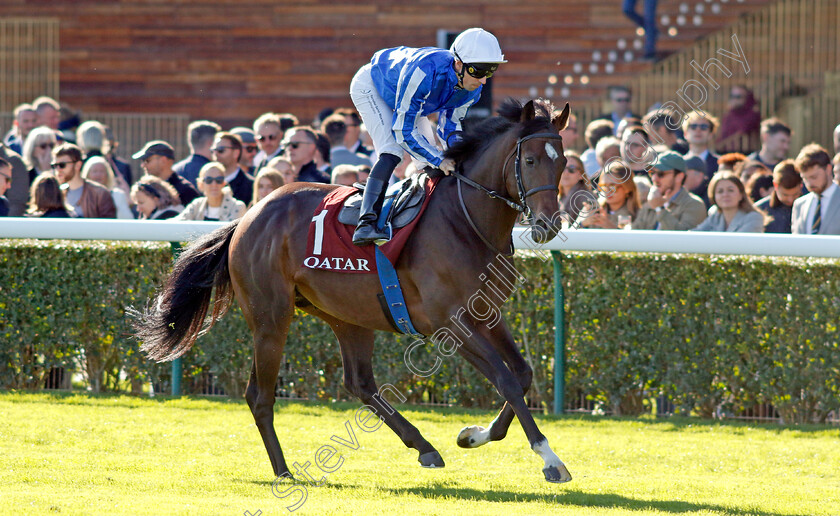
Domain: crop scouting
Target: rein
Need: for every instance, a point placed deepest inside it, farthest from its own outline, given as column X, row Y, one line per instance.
column 520, row 205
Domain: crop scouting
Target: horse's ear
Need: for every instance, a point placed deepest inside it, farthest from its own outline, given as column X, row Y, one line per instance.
column 560, row 121
column 528, row 112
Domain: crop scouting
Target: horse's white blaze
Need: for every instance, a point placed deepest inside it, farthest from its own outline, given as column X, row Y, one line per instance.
column 552, row 153
column 544, row 450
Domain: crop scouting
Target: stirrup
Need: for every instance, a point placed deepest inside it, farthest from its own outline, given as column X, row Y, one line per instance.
column 390, row 235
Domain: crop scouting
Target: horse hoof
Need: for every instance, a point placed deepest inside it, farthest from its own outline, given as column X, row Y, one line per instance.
column 431, row 459
column 557, row 474
column 472, row 436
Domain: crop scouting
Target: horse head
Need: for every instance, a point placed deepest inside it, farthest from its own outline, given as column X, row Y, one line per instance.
column 517, row 159
column 538, row 163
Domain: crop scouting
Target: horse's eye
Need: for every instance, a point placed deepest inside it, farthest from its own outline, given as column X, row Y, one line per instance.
column 529, row 161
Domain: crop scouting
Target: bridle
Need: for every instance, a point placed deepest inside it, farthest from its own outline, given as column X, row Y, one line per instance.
column 520, row 205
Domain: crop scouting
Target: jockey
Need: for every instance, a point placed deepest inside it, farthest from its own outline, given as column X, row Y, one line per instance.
column 395, row 93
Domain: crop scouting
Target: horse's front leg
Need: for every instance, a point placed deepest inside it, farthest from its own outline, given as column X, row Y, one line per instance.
column 484, row 354
column 475, row 436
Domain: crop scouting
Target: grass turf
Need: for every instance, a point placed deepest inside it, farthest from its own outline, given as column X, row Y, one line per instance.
column 80, row 454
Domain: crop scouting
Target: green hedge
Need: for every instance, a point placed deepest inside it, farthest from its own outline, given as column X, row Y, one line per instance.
column 711, row 334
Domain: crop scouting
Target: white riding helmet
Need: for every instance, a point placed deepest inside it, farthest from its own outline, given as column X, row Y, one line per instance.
column 477, row 46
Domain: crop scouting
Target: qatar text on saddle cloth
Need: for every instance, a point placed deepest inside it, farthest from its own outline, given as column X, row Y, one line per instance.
column 329, row 245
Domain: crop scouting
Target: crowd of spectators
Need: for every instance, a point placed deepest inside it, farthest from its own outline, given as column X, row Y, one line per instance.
column 47, row 171
column 659, row 171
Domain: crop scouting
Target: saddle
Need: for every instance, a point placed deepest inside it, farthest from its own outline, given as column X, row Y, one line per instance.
column 403, row 202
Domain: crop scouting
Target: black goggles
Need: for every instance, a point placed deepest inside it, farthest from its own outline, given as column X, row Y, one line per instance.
column 481, row 70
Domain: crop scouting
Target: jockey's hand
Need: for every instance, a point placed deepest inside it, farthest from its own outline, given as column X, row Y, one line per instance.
column 447, row 166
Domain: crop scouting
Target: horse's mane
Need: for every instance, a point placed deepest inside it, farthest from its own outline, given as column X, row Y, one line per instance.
column 477, row 136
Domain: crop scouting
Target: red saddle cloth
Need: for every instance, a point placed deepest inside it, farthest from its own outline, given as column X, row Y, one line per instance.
column 329, row 246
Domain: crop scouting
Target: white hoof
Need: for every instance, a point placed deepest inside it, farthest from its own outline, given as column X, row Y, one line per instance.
column 554, row 470
column 473, row 436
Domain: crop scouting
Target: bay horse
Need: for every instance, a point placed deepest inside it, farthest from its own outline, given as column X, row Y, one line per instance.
column 511, row 164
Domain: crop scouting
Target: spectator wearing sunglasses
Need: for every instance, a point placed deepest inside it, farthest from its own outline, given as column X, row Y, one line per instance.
column 572, row 190
column 249, row 148
column 353, row 137
column 227, row 150
column 37, row 151
column 669, row 206
column 157, row 158
column 301, row 148
column 618, row 203
column 218, row 203
column 200, row 136
column 270, row 128
column 399, row 89
column 88, row 198
column 620, row 98
column 699, row 129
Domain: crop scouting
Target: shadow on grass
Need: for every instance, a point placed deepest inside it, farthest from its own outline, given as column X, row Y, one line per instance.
column 568, row 497
column 577, row 498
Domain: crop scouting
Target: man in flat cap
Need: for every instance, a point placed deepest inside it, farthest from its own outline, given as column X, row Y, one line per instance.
column 157, row 158
column 669, row 206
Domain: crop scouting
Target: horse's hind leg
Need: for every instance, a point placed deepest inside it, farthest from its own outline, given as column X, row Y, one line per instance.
column 270, row 333
column 356, row 354
column 475, row 436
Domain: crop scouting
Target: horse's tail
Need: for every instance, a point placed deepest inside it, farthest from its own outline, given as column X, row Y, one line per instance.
column 170, row 323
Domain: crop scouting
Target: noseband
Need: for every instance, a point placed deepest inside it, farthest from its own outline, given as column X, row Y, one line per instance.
column 520, row 205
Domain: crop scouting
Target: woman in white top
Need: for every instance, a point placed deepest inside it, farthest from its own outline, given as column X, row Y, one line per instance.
column 98, row 169
column 218, row 202
column 732, row 210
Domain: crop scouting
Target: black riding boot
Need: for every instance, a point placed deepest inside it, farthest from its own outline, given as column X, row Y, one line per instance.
column 366, row 232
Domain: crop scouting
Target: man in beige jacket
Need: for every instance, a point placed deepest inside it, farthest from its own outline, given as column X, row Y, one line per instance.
column 669, row 206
